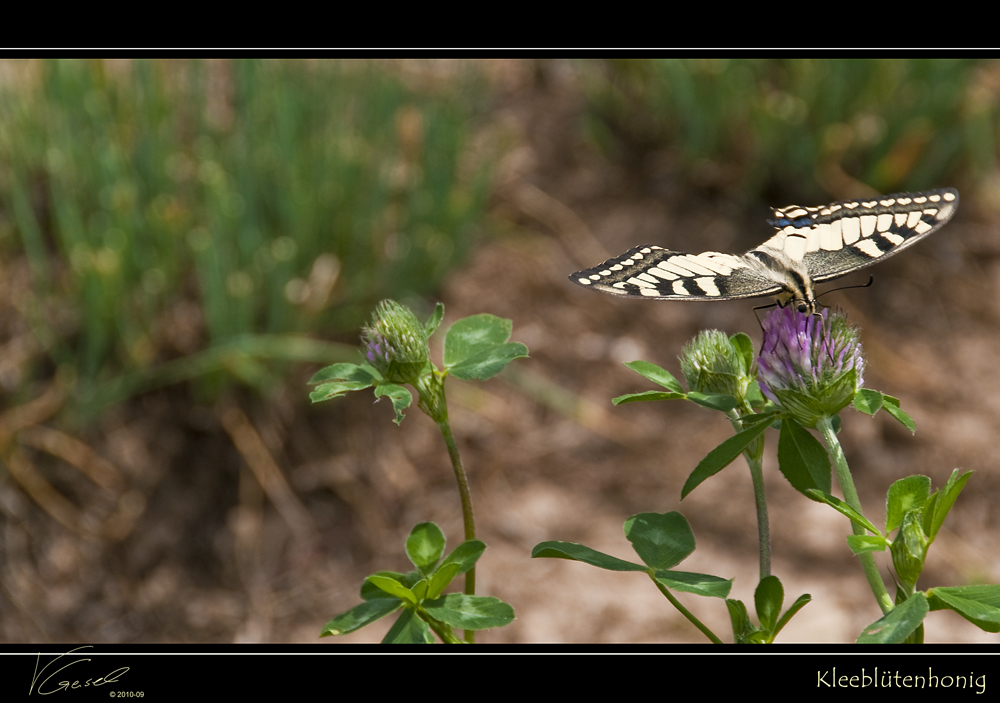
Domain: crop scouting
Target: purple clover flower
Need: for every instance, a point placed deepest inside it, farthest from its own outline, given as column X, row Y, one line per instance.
column 809, row 364
column 378, row 351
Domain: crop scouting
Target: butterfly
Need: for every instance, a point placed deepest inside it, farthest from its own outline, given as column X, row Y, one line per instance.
column 811, row 245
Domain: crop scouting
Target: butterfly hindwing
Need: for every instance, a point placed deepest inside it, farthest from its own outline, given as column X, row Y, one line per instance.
column 653, row 272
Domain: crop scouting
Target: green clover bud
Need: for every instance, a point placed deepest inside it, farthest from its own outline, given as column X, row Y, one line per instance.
column 715, row 363
column 396, row 343
column 711, row 363
column 909, row 550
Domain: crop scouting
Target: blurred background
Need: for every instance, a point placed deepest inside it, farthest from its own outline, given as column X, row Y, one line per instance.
column 183, row 243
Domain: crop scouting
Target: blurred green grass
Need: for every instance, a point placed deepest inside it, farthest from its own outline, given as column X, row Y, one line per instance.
column 808, row 128
column 213, row 220
column 285, row 197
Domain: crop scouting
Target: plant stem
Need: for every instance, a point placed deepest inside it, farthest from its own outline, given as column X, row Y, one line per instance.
column 463, row 483
column 443, row 631
column 430, row 388
column 836, row 452
column 685, row 612
column 763, row 530
column 755, row 462
column 466, row 496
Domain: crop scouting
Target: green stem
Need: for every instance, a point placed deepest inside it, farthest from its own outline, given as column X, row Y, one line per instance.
column 443, row 631
column 755, row 462
column 836, row 452
column 685, row 612
column 465, row 494
column 430, row 389
column 763, row 530
column 463, row 484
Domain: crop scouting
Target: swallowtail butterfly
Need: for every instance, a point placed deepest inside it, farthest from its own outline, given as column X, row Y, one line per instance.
column 812, row 245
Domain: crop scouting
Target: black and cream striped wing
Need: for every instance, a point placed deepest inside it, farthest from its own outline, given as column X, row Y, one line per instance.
column 812, row 244
column 653, row 272
column 837, row 239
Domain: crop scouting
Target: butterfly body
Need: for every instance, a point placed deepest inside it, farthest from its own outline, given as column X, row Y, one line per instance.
column 811, row 245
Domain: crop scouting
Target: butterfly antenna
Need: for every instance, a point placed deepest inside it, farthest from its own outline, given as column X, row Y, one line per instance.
column 871, row 279
column 763, row 307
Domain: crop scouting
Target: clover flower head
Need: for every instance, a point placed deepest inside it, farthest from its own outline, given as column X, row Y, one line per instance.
column 711, row 364
column 395, row 343
column 810, row 364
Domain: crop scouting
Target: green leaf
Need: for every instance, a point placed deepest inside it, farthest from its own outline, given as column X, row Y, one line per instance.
column 743, row 627
column 434, row 320
column 767, row 598
column 400, row 397
column 361, row 615
column 420, row 589
column 425, row 545
column 656, row 374
column 487, row 363
column 345, row 372
column 699, row 584
column 980, row 605
column 891, row 406
column 754, row 398
column 335, row 389
column 843, row 508
column 370, row 591
column 770, row 418
column 465, row 555
column 647, row 395
column 802, row 459
column 798, row 605
column 473, row 335
column 863, row 544
column 983, row 593
column 905, row 495
column 578, row 552
column 868, row 401
column 470, row 612
column 392, row 587
column 722, row 456
column 896, row 625
column 949, row 494
column 744, row 345
column 930, row 508
column 661, row 541
column 439, row 581
column 409, row 629
column 338, row 379
column 713, row 401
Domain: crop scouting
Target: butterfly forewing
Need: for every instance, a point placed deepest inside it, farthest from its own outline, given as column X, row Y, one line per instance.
column 812, row 244
column 837, row 239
